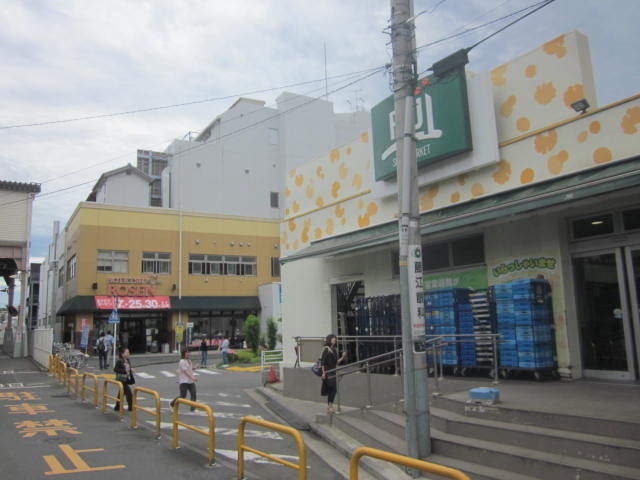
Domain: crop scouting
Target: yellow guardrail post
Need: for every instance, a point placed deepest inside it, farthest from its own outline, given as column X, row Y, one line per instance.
column 136, row 407
column 72, row 375
column 95, row 388
column 210, row 434
column 51, row 363
column 402, row 460
column 119, row 398
column 62, row 372
column 302, row 449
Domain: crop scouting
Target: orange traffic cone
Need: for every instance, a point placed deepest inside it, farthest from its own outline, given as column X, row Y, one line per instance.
column 273, row 376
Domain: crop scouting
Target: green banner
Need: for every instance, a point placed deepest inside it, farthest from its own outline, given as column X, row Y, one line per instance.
column 442, row 124
column 475, row 279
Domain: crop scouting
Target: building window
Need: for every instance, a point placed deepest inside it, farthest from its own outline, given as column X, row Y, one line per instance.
column 143, row 164
column 631, row 219
column 231, row 265
column 115, row 261
column 593, row 226
column 275, row 267
column 71, row 267
column 455, row 253
column 248, row 266
column 61, row 276
column 156, row 262
column 275, row 199
column 157, row 166
column 200, row 264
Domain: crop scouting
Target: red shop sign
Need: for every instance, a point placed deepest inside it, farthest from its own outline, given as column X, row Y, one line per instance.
column 133, row 303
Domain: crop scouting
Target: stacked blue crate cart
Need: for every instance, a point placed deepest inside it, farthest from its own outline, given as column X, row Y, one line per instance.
column 525, row 321
column 448, row 312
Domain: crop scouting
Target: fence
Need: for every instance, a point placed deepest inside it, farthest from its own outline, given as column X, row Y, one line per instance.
column 302, row 450
column 95, row 388
column 119, row 398
column 136, row 407
column 210, row 434
column 402, row 460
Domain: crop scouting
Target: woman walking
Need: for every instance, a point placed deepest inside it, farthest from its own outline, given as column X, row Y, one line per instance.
column 186, row 378
column 124, row 374
column 330, row 360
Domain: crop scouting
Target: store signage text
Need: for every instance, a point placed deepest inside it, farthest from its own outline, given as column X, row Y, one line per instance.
column 130, row 286
column 520, row 264
column 132, row 303
column 442, row 124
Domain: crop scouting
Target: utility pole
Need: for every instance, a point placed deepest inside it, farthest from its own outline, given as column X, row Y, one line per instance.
column 411, row 290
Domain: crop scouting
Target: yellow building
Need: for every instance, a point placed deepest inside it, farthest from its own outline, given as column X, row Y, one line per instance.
column 164, row 268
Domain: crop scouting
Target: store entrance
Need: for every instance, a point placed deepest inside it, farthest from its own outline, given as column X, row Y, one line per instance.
column 140, row 332
column 607, row 291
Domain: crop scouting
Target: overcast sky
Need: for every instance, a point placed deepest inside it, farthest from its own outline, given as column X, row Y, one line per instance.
column 77, row 58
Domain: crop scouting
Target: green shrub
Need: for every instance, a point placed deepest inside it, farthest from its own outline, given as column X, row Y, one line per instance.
column 251, row 331
column 246, row 356
column 272, row 334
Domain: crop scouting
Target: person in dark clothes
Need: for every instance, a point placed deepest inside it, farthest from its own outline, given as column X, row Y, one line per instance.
column 330, row 360
column 204, row 350
column 124, row 374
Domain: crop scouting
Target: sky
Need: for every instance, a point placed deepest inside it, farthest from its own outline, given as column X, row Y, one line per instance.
column 69, row 59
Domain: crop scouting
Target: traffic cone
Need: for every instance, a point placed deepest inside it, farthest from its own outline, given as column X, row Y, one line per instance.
column 273, row 377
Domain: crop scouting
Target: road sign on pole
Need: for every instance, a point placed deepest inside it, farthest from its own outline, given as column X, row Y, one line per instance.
column 114, row 317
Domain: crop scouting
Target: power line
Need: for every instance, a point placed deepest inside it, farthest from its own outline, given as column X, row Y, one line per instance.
column 195, row 147
column 176, row 105
column 228, row 121
column 541, row 5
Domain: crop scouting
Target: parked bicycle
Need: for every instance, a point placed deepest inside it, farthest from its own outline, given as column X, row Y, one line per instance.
column 70, row 355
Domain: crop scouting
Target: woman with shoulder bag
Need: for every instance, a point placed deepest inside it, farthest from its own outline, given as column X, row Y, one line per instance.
column 330, row 361
column 124, row 375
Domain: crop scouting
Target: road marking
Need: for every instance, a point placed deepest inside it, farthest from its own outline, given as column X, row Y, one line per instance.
column 229, row 404
column 253, row 457
column 233, row 415
column 226, row 431
column 209, row 372
column 167, row 374
column 144, row 375
column 165, row 425
column 72, row 455
column 10, row 386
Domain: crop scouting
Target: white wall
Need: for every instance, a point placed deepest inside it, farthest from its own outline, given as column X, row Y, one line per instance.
column 306, row 303
column 535, row 236
column 270, row 305
column 14, row 217
column 233, row 175
column 124, row 189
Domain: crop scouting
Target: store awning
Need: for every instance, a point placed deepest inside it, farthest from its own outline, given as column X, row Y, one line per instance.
column 215, row 303
column 78, row 304
column 591, row 183
column 87, row 304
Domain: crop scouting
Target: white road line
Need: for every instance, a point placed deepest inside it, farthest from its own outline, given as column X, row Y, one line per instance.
column 226, row 431
column 167, row 374
column 209, row 372
column 252, row 457
column 233, row 415
column 224, row 395
column 144, row 375
column 229, row 404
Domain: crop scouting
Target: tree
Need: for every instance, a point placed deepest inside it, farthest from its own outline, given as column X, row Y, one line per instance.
column 272, row 334
column 251, row 332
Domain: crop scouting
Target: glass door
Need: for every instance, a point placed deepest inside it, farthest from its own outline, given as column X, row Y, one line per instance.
column 604, row 315
column 632, row 255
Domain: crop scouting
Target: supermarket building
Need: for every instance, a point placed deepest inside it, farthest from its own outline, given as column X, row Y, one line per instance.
column 166, row 268
column 541, row 191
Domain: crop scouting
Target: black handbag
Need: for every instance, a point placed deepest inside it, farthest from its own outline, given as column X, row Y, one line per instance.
column 317, row 368
column 131, row 380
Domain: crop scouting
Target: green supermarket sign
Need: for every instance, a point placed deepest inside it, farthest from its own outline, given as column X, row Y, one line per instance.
column 442, row 124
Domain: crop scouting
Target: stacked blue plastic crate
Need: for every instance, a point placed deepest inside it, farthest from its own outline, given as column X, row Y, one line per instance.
column 446, row 312
column 525, row 321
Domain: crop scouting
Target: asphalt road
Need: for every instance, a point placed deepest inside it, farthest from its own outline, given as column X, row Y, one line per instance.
column 47, row 433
